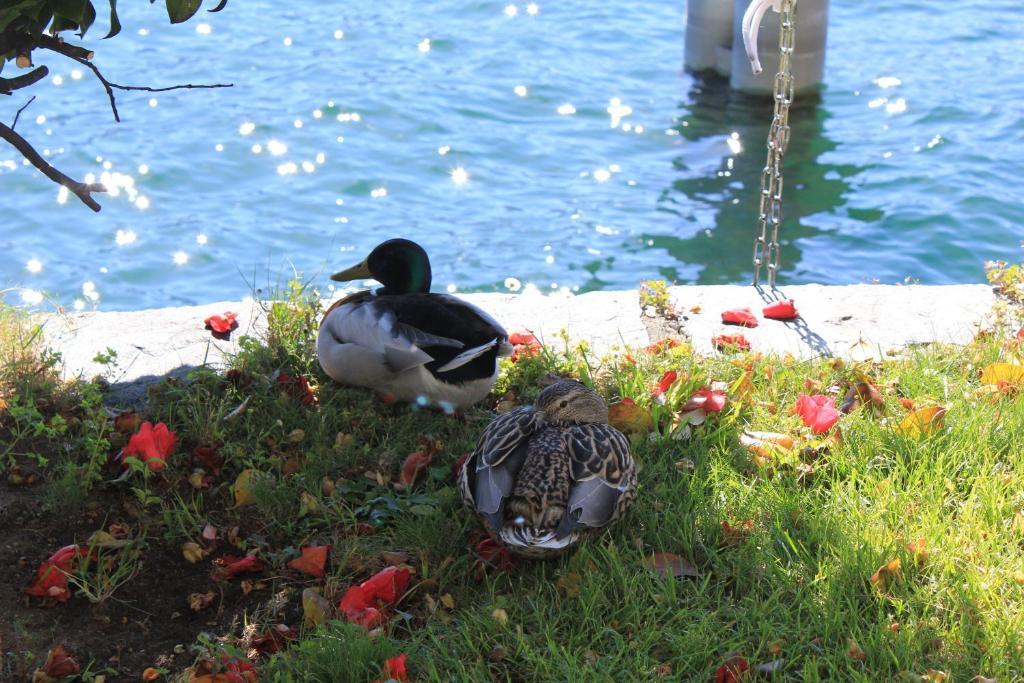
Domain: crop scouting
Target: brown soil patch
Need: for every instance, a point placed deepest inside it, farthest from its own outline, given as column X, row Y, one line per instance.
column 138, row 627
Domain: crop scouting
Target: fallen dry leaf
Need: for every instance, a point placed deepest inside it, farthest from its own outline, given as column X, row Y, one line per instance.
column 670, row 565
column 569, row 584
column 243, row 487
column 448, row 601
column 922, row 422
column 150, row 674
column 739, row 533
column 999, row 374
column 200, row 601
column 192, row 552
column 863, row 393
column 751, row 438
column 315, row 608
column 58, row 665
column 629, row 418
column 500, row 616
column 886, row 574
column 918, row 549
column 854, row 652
column 311, row 561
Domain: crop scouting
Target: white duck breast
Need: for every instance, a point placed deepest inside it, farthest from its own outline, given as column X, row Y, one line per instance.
column 420, row 347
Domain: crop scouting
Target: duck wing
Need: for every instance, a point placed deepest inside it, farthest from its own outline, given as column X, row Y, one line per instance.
column 454, row 339
column 490, row 473
column 604, row 477
column 383, row 324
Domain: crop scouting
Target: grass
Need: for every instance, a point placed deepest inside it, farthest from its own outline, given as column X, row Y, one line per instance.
column 785, row 549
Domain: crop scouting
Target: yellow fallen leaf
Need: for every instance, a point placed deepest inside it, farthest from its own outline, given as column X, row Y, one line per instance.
column 192, row 552
column 448, row 601
column 743, row 389
column 918, row 549
column 315, row 608
column 296, row 435
column 1003, row 373
column 243, row 488
column 751, row 438
column 887, row 573
column 500, row 616
column 629, row 418
column 922, row 422
column 307, row 504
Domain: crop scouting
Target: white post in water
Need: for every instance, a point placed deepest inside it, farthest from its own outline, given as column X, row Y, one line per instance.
column 714, row 42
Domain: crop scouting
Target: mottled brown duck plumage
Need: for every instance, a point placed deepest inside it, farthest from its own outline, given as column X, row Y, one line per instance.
column 544, row 476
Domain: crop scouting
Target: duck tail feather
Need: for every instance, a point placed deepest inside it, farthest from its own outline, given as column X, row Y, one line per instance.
column 467, row 356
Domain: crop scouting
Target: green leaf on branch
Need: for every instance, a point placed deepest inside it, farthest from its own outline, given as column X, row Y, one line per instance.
column 182, row 10
column 115, row 23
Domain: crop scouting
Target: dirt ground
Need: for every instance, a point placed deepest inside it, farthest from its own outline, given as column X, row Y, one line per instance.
column 147, row 621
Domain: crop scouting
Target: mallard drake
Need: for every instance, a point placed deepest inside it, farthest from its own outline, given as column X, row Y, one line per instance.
column 544, row 476
column 403, row 340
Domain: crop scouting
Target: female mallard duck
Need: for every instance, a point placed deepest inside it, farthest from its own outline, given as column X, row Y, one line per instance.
column 544, row 476
column 432, row 349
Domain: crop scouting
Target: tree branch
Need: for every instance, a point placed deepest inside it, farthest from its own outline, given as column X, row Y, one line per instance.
column 81, row 190
column 55, row 44
column 23, row 108
column 9, row 85
column 73, row 52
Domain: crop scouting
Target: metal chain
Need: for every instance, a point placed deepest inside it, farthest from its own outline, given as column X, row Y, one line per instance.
column 766, row 250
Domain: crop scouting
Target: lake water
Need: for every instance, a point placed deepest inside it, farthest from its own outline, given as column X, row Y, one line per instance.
column 499, row 139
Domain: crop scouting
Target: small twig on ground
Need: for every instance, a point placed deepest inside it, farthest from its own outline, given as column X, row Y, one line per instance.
column 23, row 108
column 9, row 85
column 81, row 190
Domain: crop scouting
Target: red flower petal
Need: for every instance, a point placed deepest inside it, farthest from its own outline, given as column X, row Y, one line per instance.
column 58, row 665
column 151, row 445
column 663, row 345
column 734, row 670
column 1020, row 333
column 387, row 585
column 52, row 576
column 781, row 310
column 730, row 342
column 363, row 604
column 209, row 456
column 415, row 464
column 706, row 400
column 273, row 639
column 666, row 381
column 221, row 326
column 739, row 316
column 521, row 338
column 312, row 561
column 394, row 668
column 232, row 566
column 297, row 387
column 818, row 412
column 524, row 345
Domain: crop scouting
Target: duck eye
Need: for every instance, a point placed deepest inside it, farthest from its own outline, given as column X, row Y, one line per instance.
column 563, row 404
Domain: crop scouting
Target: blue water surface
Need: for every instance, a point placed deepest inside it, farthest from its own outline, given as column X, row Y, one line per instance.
column 550, row 145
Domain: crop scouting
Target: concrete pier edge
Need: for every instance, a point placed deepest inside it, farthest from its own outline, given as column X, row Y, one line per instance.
column 851, row 321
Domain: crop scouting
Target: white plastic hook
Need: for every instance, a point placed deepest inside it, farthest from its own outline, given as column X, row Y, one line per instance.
column 752, row 24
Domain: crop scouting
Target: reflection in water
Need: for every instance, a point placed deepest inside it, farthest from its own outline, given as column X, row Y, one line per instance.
column 723, row 202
